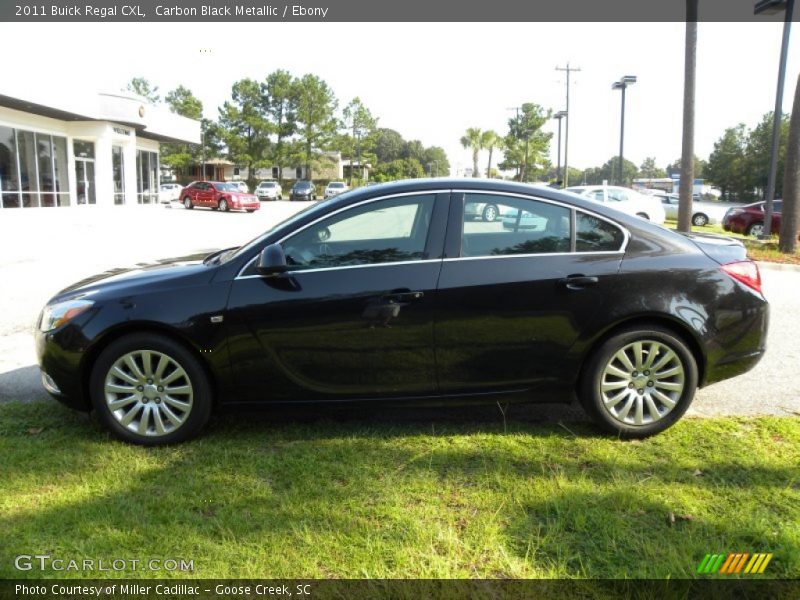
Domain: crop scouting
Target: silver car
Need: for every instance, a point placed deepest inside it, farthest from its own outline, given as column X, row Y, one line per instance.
column 703, row 213
column 481, row 210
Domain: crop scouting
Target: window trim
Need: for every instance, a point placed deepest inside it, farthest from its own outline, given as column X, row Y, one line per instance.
column 434, row 193
column 573, row 223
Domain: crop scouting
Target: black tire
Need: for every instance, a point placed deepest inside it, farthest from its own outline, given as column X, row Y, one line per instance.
column 700, row 220
column 490, row 213
column 251, row 210
column 755, row 229
column 222, row 205
column 201, row 401
column 280, row 197
column 591, row 395
column 187, row 203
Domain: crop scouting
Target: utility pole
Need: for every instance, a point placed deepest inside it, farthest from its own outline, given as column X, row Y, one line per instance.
column 568, row 71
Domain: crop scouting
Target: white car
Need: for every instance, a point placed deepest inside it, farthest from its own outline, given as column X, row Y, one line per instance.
column 169, row 192
column 241, row 186
column 623, row 199
column 703, row 213
column 335, row 188
column 269, row 190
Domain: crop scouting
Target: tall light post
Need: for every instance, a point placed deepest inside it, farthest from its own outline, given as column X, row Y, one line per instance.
column 559, row 115
column 568, row 70
column 768, row 7
column 622, row 84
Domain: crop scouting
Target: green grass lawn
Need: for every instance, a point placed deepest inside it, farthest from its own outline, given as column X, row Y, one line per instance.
column 428, row 498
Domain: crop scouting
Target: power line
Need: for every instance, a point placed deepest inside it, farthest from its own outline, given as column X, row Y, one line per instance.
column 568, row 70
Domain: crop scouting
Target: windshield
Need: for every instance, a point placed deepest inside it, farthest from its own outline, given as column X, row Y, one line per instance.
column 266, row 184
column 335, row 185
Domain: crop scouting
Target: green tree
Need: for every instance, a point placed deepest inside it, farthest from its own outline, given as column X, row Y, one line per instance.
column 649, row 169
column 181, row 157
column 610, row 171
column 526, row 129
column 674, row 168
column 758, row 151
column 435, row 159
column 244, row 126
column 725, row 167
column 389, row 145
column 279, row 104
column 414, row 149
column 489, row 141
column 142, row 87
column 401, row 168
column 359, row 135
column 316, row 122
column 472, row 141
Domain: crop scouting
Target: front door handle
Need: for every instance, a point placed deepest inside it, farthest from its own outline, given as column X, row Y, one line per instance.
column 401, row 297
column 577, row 282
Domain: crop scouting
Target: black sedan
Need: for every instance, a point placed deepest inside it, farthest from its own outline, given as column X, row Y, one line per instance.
column 389, row 294
column 303, row 190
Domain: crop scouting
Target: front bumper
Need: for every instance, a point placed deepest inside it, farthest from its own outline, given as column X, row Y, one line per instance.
column 59, row 354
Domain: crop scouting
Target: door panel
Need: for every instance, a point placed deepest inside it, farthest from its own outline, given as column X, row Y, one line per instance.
column 354, row 318
column 335, row 334
column 514, row 296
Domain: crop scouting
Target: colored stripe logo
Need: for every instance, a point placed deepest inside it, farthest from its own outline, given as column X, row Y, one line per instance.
column 734, row 562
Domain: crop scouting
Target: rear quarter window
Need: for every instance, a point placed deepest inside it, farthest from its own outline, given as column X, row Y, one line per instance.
column 596, row 235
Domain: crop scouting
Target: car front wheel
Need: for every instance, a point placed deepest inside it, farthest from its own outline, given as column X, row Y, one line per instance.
column 187, row 203
column 149, row 390
column 700, row 220
column 639, row 382
column 223, row 205
column 490, row 213
column 755, row 229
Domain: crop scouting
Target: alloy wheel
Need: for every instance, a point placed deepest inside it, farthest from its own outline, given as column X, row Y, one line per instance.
column 642, row 382
column 700, row 219
column 490, row 213
column 148, row 392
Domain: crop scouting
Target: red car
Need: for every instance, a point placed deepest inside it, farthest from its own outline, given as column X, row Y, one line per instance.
column 749, row 219
column 218, row 195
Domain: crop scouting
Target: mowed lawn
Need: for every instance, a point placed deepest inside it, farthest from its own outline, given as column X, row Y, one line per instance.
column 388, row 497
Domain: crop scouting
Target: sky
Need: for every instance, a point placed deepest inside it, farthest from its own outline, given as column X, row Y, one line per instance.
column 431, row 81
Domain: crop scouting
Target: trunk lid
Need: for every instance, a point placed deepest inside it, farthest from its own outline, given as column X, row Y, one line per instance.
column 719, row 248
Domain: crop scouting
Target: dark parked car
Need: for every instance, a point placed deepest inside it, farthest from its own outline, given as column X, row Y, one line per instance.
column 749, row 219
column 218, row 195
column 303, row 190
column 390, row 294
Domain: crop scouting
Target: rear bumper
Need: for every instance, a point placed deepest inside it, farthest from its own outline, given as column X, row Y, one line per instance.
column 739, row 347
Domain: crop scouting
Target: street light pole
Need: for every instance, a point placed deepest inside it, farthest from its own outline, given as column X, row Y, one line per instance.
column 568, row 70
column 559, row 115
column 622, row 84
column 771, row 7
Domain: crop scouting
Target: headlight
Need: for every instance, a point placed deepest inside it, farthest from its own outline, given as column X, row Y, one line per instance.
column 56, row 315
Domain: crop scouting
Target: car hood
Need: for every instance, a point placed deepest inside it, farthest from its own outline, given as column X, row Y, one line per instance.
column 163, row 272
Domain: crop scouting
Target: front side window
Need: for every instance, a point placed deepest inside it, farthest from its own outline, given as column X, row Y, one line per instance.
column 497, row 225
column 617, row 195
column 386, row 231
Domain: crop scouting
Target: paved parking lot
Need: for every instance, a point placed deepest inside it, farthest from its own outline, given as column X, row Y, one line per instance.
column 42, row 251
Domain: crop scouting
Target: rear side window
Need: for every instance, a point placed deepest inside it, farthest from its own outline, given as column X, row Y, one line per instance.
column 496, row 225
column 595, row 235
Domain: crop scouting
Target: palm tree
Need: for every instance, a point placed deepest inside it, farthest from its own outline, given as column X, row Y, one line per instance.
column 489, row 141
column 473, row 140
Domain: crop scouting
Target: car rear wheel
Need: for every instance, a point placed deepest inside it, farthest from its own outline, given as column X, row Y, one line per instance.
column 700, row 220
column 490, row 213
column 149, row 390
column 639, row 381
column 755, row 229
column 187, row 203
column 223, row 205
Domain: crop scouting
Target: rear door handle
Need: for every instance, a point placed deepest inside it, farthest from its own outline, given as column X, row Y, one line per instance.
column 577, row 282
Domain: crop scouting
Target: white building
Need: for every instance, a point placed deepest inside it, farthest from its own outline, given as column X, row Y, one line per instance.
column 72, row 149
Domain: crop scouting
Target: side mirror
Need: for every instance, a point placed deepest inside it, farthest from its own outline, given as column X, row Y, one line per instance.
column 272, row 261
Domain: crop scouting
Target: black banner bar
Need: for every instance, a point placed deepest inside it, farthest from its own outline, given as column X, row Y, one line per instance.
column 377, row 11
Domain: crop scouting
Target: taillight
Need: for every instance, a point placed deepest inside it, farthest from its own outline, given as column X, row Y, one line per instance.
column 745, row 271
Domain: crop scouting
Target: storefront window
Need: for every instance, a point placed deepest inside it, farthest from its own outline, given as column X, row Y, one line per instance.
column 147, row 176
column 9, row 178
column 61, row 170
column 119, row 175
column 29, row 180
column 44, row 156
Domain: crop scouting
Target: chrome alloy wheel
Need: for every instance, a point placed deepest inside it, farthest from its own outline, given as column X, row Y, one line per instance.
column 148, row 392
column 642, row 382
